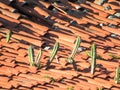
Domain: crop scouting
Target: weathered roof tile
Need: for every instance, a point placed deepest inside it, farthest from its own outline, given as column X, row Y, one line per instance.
column 41, row 24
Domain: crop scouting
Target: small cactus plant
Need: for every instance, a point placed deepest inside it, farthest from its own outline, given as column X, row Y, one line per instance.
column 71, row 57
column 117, row 76
column 93, row 58
column 8, row 36
column 36, row 61
column 54, row 52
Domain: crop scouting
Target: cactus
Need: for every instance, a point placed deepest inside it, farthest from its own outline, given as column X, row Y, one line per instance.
column 77, row 44
column 36, row 61
column 8, row 36
column 71, row 58
column 54, row 52
column 93, row 58
column 117, row 76
column 31, row 55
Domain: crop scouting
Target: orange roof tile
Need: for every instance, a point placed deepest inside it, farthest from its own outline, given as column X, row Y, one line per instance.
column 41, row 23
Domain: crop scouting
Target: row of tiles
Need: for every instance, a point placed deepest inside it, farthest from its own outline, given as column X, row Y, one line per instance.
column 42, row 78
column 18, row 51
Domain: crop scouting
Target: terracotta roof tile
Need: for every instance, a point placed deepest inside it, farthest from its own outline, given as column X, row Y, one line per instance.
column 25, row 82
column 35, row 25
column 4, row 6
column 5, row 85
column 40, row 24
column 10, row 14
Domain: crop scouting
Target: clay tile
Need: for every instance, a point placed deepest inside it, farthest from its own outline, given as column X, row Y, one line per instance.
column 8, row 2
column 10, row 14
column 39, row 79
column 104, row 19
column 90, row 21
column 21, row 59
column 112, row 30
column 66, row 19
column 24, row 82
column 14, row 83
column 35, row 31
column 108, row 85
column 4, row 71
column 5, row 85
column 4, row 6
column 22, row 2
column 39, row 88
column 41, row 11
column 22, row 52
column 1, row 24
column 35, row 25
column 27, row 39
column 21, row 69
column 63, row 36
column 4, row 79
column 45, row 4
column 72, row 30
column 11, row 20
column 8, row 64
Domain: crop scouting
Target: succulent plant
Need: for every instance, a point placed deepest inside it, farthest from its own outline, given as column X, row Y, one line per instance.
column 8, row 36
column 71, row 57
column 93, row 58
column 117, row 75
column 36, row 61
column 54, row 52
column 31, row 55
column 77, row 44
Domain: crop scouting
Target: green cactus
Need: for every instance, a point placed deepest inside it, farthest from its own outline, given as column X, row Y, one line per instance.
column 8, row 36
column 31, row 55
column 77, row 44
column 54, row 52
column 71, row 58
column 93, row 58
column 117, row 76
column 36, row 61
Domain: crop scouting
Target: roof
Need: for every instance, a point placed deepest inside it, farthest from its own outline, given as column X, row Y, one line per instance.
column 42, row 23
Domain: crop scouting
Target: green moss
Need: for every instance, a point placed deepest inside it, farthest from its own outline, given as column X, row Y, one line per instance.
column 114, row 56
column 52, row 80
column 70, row 88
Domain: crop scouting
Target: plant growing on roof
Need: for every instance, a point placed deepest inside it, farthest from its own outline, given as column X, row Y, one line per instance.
column 114, row 56
column 8, row 35
column 100, row 88
column 93, row 58
column 52, row 80
column 70, row 88
column 97, row 56
column 54, row 52
column 71, row 58
column 117, row 75
column 36, row 61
